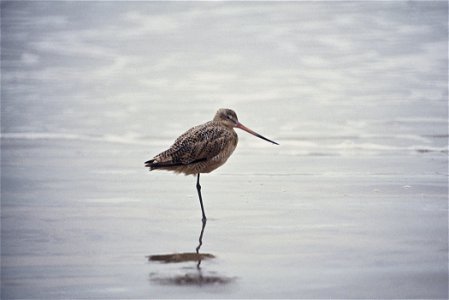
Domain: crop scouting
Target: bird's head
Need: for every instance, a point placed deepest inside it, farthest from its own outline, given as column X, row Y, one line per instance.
column 226, row 116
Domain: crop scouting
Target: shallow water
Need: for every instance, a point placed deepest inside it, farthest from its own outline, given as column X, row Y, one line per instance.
column 372, row 226
column 352, row 204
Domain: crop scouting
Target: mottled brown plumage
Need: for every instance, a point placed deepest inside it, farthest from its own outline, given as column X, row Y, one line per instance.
column 202, row 148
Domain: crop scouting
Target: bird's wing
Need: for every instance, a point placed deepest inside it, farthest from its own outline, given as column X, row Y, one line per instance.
column 199, row 143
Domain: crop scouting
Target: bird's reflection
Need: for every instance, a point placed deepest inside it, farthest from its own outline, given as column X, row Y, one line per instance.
column 186, row 256
column 200, row 243
column 189, row 278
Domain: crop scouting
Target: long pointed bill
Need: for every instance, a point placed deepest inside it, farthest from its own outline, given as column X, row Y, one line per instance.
column 239, row 125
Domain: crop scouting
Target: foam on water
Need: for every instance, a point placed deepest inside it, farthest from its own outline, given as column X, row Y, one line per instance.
column 319, row 145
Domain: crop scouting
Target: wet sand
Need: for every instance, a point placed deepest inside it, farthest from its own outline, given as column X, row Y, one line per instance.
column 80, row 220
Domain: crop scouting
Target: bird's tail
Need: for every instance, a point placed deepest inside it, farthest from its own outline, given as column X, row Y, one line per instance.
column 152, row 164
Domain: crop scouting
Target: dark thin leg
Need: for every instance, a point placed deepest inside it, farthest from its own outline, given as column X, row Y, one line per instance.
column 198, row 188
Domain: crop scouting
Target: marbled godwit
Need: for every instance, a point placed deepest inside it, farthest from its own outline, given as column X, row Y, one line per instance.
column 202, row 148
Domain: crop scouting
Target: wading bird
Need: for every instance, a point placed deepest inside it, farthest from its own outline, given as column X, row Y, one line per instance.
column 202, row 148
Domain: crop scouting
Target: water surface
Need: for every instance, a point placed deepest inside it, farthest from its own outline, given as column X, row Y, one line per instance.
column 352, row 204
